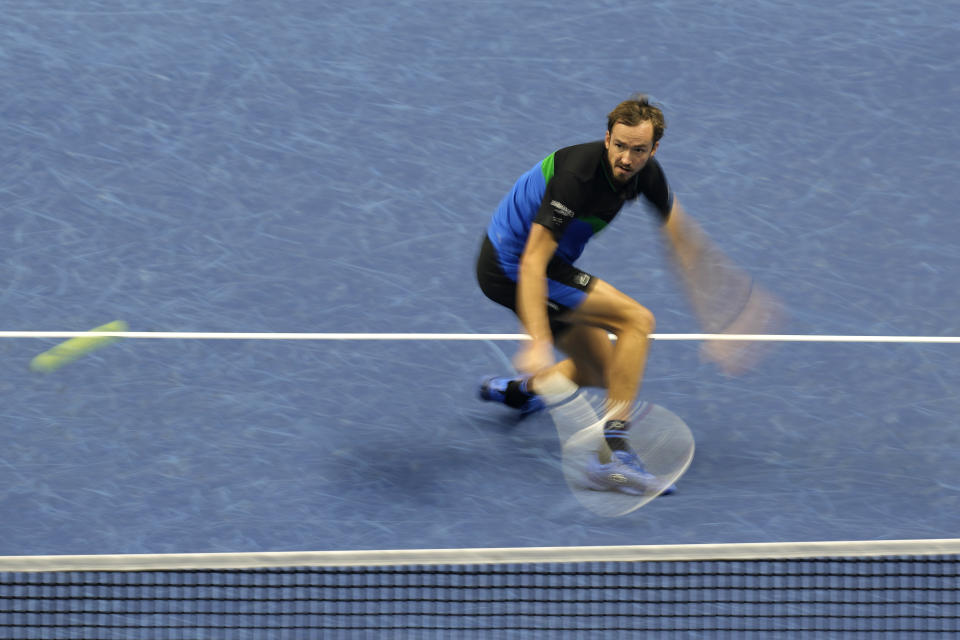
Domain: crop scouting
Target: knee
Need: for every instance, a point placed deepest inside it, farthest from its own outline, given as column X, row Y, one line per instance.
column 638, row 320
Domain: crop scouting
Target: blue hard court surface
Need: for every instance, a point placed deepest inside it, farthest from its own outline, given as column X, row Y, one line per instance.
column 330, row 166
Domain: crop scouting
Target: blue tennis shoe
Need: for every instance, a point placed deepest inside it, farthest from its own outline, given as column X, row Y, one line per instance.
column 624, row 473
column 512, row 393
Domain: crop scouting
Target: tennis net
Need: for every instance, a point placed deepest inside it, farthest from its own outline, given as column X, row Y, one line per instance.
column 895, row 589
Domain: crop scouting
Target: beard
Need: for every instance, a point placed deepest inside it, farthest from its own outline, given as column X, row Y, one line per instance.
column 620, row 179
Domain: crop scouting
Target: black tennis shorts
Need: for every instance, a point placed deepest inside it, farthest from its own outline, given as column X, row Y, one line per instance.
column 502, row 289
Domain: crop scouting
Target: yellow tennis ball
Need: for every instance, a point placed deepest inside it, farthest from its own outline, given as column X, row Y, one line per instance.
column 74, row 348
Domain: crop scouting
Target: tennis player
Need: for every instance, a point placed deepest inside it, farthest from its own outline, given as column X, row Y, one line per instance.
column 526, row 263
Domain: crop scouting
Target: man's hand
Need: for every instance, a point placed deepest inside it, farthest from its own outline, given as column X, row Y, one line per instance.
column 534, row 356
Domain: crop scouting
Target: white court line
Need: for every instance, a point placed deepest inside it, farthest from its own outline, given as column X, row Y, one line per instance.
column 206, row 335
column 378, row 558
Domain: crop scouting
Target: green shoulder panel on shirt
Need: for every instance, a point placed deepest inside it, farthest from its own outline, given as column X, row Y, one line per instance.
column 547, row 167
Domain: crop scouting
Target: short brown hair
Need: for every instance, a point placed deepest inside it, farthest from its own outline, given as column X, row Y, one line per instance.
column 636, row 110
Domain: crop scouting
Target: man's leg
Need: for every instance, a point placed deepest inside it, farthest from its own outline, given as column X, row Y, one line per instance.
column 620, row 366
column 606, row 309
column 593, row 360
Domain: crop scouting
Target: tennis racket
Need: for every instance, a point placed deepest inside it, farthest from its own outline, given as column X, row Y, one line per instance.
column 662, row 441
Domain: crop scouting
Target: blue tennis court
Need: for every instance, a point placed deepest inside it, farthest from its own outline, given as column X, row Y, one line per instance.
column 292, row 166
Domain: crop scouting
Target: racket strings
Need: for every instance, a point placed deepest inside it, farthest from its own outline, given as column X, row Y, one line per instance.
column 661, row 440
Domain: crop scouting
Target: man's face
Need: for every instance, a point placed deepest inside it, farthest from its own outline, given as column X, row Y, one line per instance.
column 629, row 149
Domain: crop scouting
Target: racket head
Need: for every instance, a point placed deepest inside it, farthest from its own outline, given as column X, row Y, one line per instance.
column 660, row 438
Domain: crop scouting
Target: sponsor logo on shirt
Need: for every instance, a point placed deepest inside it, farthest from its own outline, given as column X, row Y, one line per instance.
column 561, row 213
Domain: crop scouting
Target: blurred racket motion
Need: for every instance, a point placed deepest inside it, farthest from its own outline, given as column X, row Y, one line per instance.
column 725, row 297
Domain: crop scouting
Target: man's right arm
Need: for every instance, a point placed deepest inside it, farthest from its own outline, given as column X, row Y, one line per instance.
column 532, row 300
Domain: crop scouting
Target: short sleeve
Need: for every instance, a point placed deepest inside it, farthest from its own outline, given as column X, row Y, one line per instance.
column 652, row 184
column 561, row 203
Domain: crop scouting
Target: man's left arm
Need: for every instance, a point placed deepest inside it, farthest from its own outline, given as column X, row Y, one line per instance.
column 724, row 297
